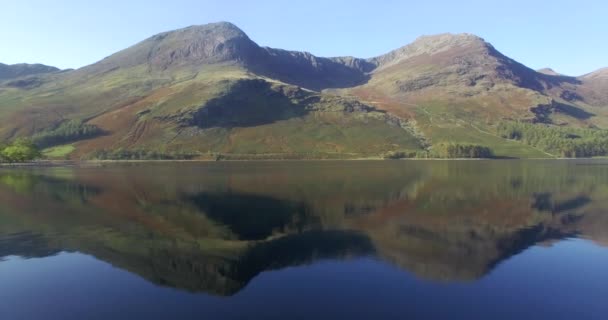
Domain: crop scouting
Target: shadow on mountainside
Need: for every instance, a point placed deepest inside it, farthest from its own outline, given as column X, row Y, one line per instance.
column 248, row 103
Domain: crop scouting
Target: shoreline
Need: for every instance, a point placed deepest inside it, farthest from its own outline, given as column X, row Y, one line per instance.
column 68, row 163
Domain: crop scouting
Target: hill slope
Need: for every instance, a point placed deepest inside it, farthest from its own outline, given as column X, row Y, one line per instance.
column 23, row 69
column 204, row 90
column 459, row 87
column 210, row 89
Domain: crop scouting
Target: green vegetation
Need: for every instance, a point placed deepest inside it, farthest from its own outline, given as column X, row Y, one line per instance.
column 67, row 131
column 408, row 154
column 444, row 150
column 61, row 151
column 285, row 156
column 21, row 150
column 123, row 154
column 564, row 141
column 459, row 150
column 393, row 155
column 459, row 123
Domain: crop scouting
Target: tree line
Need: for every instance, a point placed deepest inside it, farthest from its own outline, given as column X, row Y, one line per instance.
column 124, row 154
column 461, row 150
column 65, row 132
column 563, row 141
column 445, row 150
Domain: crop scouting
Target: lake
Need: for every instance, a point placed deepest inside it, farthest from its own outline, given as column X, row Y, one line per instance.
column 306, row 240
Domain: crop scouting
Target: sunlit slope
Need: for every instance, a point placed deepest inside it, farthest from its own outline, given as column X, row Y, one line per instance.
column 458, row 87
column 208, row 90
column 198, row 91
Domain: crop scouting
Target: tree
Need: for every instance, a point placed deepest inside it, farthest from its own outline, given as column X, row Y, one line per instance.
column 20, row 150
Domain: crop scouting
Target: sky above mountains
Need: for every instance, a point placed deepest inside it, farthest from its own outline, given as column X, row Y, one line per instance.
column 564, row 35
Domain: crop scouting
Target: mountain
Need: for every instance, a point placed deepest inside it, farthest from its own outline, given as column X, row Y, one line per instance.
column 460, row 65
column 458, row 88
column 207, row 90
column 601, row 74
column 217, row 43
column 549, row 72
column 23, row 69
column 594, row 88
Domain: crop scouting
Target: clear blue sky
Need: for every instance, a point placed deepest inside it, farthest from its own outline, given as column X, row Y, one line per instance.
column 569, row 36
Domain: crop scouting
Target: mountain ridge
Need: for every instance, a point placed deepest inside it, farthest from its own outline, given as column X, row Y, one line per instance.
column 24, row 69
column 154, row 85
column 599, row 73
column 230, row 44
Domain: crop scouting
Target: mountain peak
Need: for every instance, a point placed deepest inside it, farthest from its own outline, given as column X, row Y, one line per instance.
column 434, row 44
column 549, row 72
column 447, row 39
column 224, row 30
column 431, row 45
column 219, row 25
column 209, row 43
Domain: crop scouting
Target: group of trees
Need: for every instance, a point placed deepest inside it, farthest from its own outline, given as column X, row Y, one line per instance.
column 67, row 131
column 563, row 141
column 392, row 155
column 124, row 154
column 444, row 150
column 21, row 150
column 461, row 150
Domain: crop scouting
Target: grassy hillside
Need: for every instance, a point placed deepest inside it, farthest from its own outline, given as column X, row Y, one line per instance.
column 458, row 88
column 208, row 90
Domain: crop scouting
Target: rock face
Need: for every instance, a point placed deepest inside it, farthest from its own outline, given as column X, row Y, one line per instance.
column 213, row 43
column 207, row 44
column 23, row 69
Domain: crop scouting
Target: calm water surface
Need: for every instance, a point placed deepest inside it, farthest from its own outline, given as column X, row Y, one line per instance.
column 306, row 240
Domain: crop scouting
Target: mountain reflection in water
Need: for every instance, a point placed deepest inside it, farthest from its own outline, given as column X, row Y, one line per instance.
column 213, row 227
